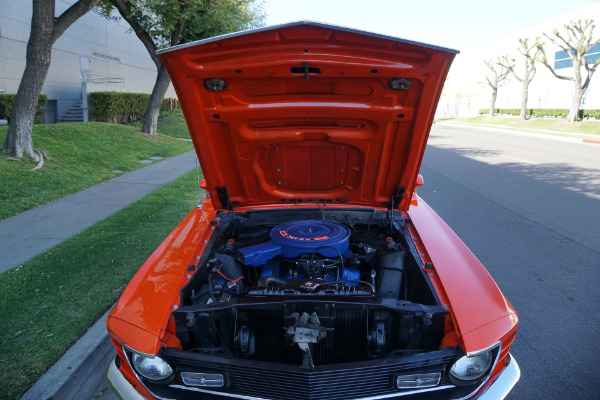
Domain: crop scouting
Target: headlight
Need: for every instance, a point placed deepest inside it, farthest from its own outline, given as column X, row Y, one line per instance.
column 155, row 369
column 467, row 370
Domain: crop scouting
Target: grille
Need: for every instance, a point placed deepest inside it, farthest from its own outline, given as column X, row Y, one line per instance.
column 331, row 382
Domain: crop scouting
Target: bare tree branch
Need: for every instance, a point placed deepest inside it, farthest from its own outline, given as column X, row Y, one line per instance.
column 544, row 60
column 566, row 78
column 126, row 12
column 71, row 15
column 577, row 42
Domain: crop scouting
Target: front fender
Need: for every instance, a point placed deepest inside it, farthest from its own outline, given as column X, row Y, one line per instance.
column 480, row 312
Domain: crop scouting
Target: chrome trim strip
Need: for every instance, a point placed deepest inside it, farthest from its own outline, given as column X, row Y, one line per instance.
column 297, row 23
column 137, row 352
column 505, row 382
column 237, row 396
column 243, row 397
column 129, row 349
column 474, row 353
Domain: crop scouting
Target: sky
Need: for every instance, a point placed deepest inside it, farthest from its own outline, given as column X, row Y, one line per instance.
column 452, row 23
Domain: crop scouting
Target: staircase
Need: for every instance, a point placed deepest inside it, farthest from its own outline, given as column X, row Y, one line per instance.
column 75, row 114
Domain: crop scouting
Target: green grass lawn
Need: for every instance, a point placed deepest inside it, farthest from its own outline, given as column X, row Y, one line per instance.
column 49, row 302
column 174, row 125
column 552, row 124
column 82, row 154
column 171, row 124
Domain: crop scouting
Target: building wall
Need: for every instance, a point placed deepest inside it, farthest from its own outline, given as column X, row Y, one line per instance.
column 112, row 49
column 466, row 92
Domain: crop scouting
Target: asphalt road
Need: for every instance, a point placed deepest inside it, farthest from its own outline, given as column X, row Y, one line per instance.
column 529, row 208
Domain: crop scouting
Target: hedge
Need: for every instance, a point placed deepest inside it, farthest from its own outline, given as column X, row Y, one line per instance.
column 7, row 101
column 543, row 112
column 121, row 107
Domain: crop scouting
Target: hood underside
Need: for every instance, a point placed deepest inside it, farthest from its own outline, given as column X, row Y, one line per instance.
column 308, row 112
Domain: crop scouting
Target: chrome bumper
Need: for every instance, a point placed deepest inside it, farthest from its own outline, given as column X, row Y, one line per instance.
column 505, row 382
column 120, row 385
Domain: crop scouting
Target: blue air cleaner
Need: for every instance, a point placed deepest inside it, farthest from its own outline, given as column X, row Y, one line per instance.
column 294, row 238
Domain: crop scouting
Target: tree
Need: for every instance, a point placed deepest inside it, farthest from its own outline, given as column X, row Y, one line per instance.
column 530, row 53
column 496, row 78
column 163, row 23
column 45, row 30
column 576, row 41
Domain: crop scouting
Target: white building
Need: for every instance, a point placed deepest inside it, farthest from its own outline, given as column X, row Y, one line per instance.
column 465, row 92
column 103, row 52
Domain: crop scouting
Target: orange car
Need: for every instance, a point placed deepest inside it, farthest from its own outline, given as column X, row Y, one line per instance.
column 311, row 270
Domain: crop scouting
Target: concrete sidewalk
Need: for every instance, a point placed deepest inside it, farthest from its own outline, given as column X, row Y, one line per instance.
column 28, row 234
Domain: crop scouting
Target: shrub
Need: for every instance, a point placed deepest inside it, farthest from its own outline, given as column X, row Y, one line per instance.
column 549, row 112
column 120, row 107
column 7, row 101
column 589, row 114
column 544, row 112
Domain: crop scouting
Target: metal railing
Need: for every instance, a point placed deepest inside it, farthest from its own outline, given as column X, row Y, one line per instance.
column 99, row 79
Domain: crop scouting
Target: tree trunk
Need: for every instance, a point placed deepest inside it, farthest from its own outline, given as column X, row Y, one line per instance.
column 574, row 110
column 493, row 103
column 525, row 96
column 45, row 29
column 158, row 94
column 39, row 51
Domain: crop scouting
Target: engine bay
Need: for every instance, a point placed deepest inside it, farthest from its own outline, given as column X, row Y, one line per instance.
column 290, row 287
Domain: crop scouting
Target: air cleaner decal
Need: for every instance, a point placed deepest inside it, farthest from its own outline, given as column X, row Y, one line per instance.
column 287, row 235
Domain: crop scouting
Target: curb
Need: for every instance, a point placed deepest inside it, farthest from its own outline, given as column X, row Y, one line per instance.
column 550, row 135
column 591, row 141
column 75, row 375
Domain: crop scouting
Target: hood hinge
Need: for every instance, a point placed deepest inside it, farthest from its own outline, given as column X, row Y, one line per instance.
column 223, row 196
column 397, row 197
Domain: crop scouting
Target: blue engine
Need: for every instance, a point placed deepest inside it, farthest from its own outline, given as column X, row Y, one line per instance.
column 303, row 249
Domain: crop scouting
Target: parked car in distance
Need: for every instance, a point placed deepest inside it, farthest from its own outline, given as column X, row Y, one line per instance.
column 311, row 270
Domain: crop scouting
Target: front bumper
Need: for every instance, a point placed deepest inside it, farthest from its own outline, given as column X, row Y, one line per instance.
column 120, row 385
column 504, row 383
column 496, row 391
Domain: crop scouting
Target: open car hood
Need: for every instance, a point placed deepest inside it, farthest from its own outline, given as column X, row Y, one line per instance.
column 308, row 112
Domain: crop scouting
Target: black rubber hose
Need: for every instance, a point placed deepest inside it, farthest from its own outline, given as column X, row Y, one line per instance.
column 210, row 288
column 270, row 280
